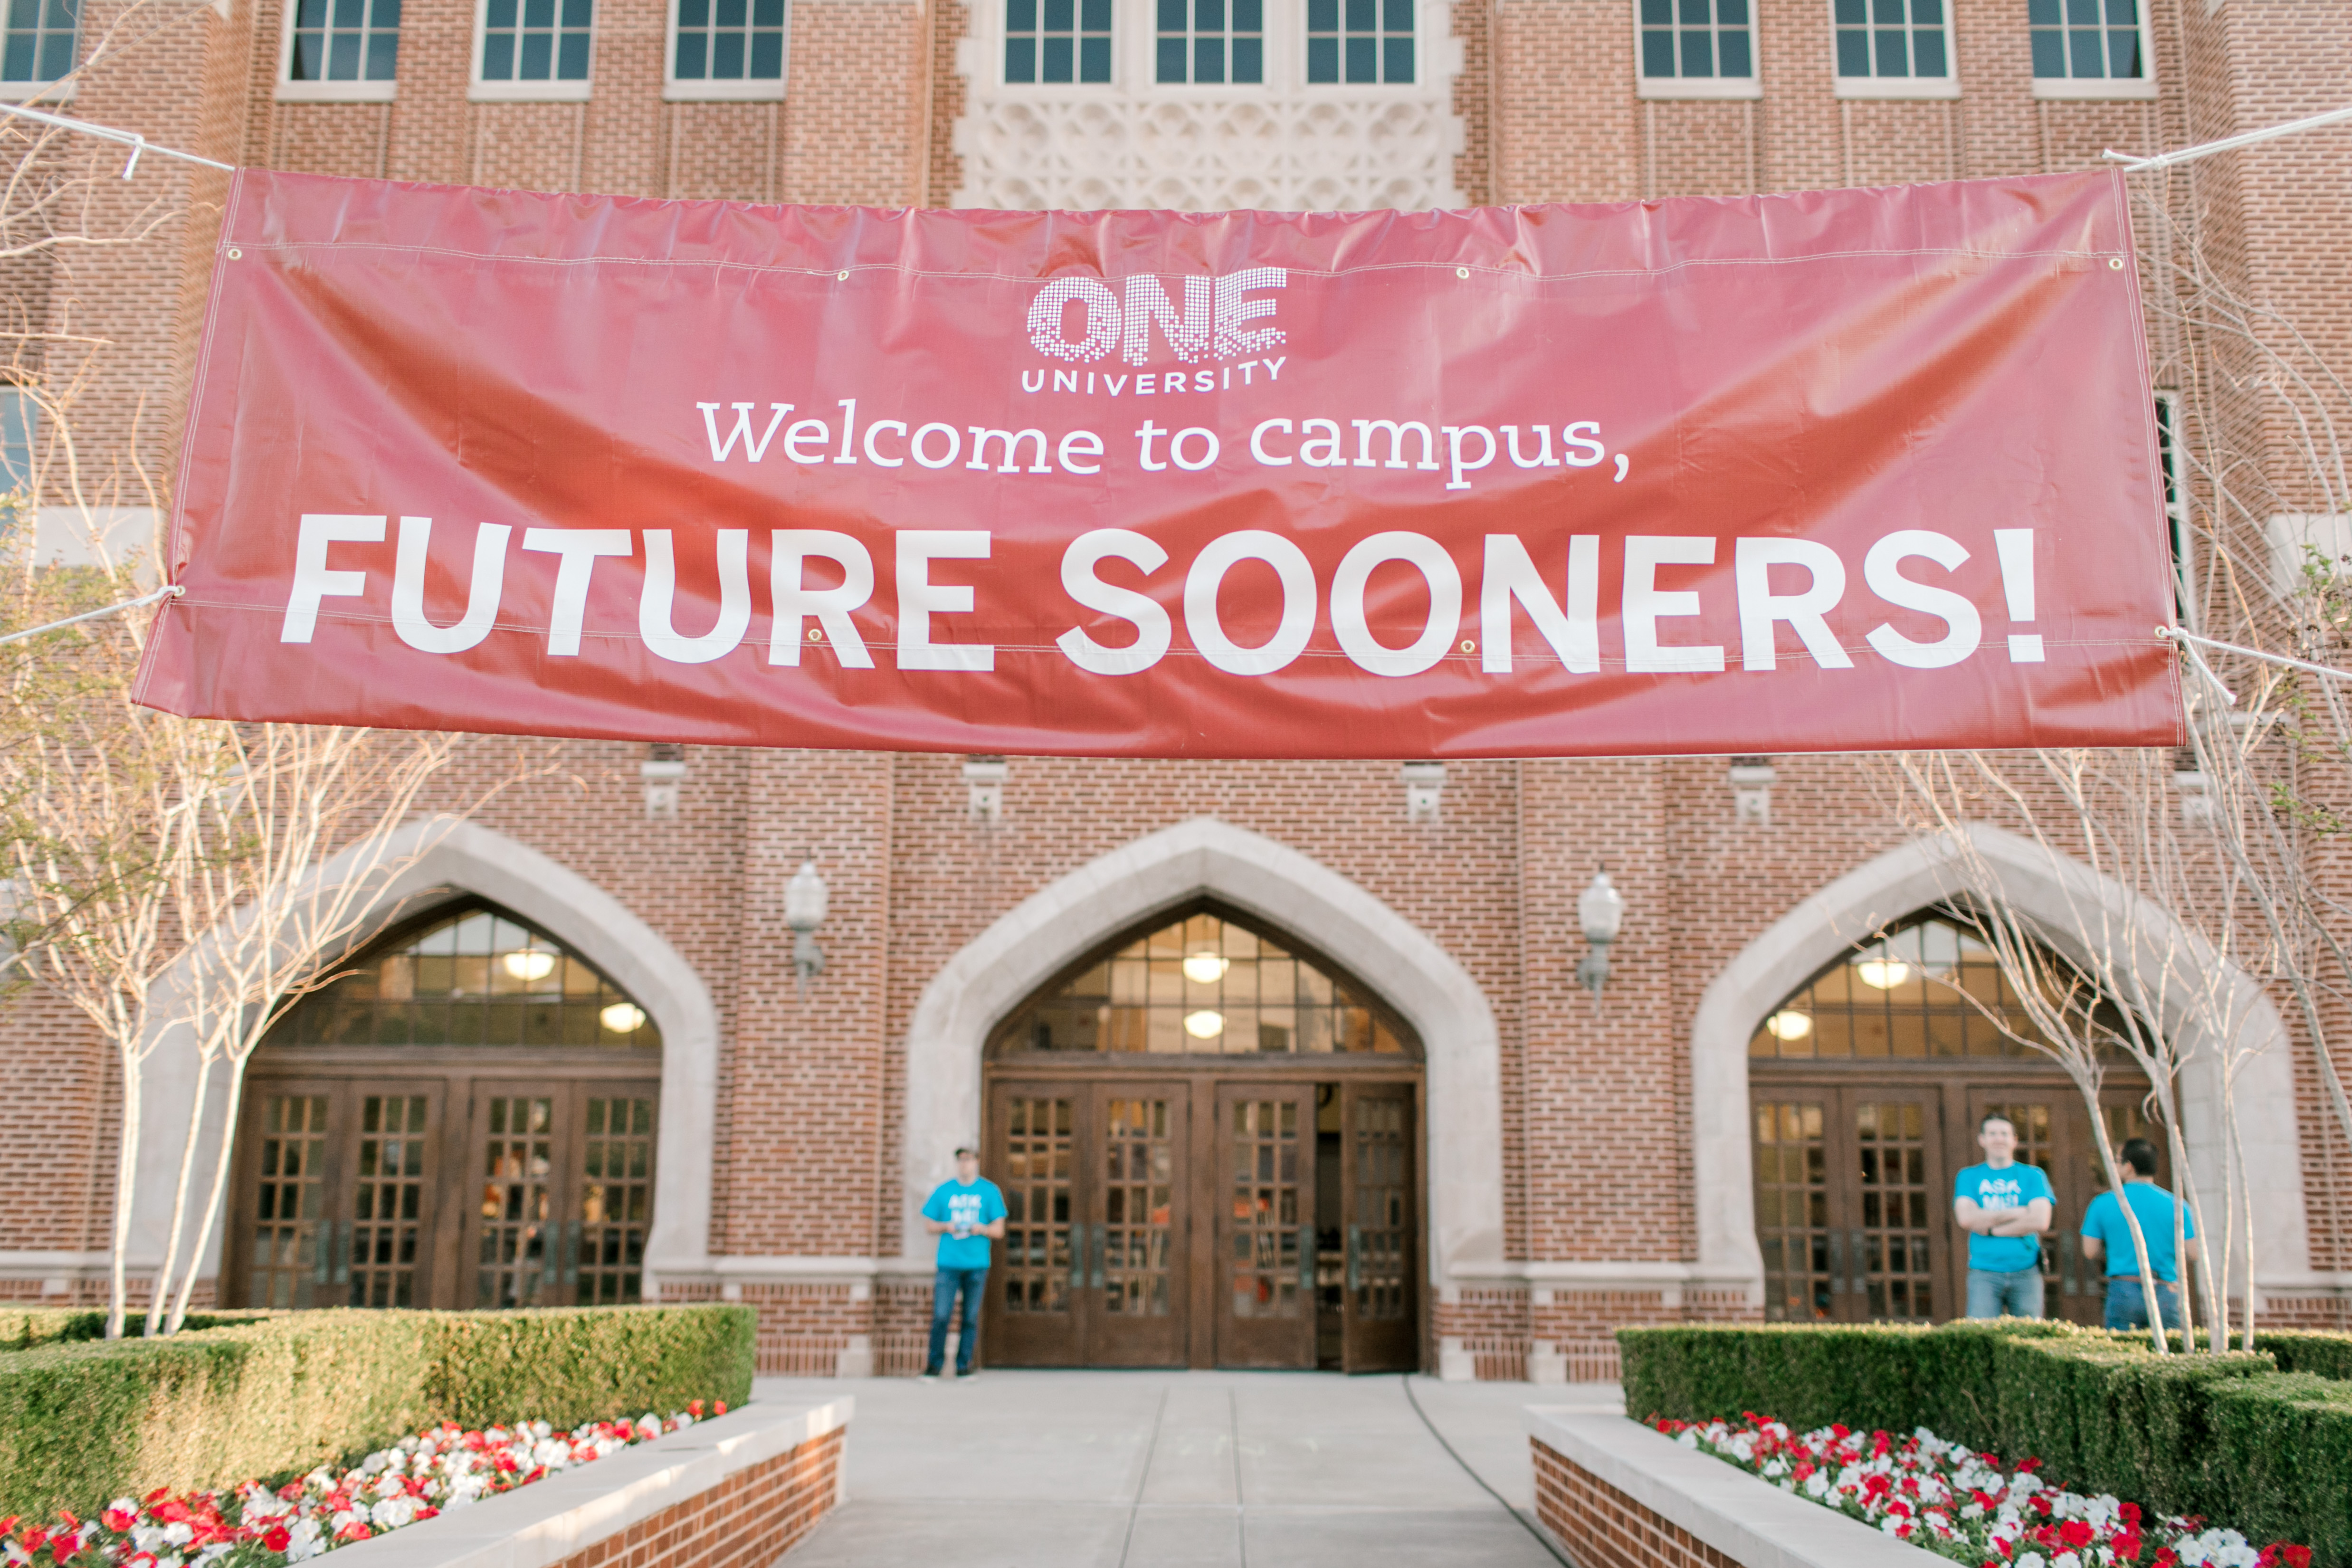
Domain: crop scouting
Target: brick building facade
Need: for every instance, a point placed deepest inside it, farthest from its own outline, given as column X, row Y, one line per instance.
column 1579, row 1160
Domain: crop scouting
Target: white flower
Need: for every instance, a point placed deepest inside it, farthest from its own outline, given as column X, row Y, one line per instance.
column 1687, row 1437
column 392, row 1512
column 2066, row 1560
column 1817, row 1484
column 2030, row 1560
column 1972, row 1511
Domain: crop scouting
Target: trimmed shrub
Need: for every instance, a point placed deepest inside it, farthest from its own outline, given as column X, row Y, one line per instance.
column 2228, row 1436
column 83, row 1423
column 21, row 1328
column 2328, row 1354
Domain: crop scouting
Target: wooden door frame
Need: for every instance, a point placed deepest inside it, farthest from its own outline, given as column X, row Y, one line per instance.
column 345, row 1072
column 1956, row 1085
column 1203, row 1074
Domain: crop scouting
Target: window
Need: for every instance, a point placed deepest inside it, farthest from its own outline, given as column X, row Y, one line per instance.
column 1197, row 45
column 1375, row 44
column 1204, row 985
column 345, row 41
column 40, row 43
column 730, row 41
column 479, row 977
column 535, row 40
column 20, row 417
column 1697, row 40
column 1891, row 39
column 1900, row 995
column 2081, row 41
column 1065, row 40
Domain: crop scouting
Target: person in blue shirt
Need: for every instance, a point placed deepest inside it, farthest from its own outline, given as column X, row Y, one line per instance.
column 2004, row 1207
column 2106, row 1234
column 963, row 1214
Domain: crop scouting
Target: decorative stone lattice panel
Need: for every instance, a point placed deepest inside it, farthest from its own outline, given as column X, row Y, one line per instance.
column 1285, row 145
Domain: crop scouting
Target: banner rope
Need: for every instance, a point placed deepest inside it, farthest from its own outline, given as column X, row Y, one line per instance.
column 168, row 591
column 2174, row 633
column 130, row 139
column 2206, row 149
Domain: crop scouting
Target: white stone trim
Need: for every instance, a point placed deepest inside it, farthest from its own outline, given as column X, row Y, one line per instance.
column 543, row 1523
column 2053, row 893
column 1054, row 927
column 1748, row 1520
column 1284, row 143
column 461, row 857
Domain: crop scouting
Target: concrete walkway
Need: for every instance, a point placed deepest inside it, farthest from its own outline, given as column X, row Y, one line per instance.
column 1178, row 1469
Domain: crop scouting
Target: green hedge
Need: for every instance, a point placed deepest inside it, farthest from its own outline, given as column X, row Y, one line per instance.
column 2229, row 1437
column 81, row 1423
column 23, row 1328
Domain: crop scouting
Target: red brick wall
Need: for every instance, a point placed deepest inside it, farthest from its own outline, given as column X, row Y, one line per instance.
column 1602, row 1528
column 748, row 1520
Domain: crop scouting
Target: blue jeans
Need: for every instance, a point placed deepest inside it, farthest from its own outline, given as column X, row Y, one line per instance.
column 2004, row 1293
column 972, row 1283
column 2128, row 1304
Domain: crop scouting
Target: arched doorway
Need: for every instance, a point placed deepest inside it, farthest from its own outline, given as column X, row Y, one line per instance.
column 464, row 1116
column 1209, row 1139
column 1867, row 1085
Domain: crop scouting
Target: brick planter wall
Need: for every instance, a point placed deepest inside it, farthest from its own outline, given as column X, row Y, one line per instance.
column 1616, row 1494
column 735, row 1492
column 748, row 1520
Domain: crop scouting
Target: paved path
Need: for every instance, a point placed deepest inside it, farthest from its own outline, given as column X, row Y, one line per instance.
column 1178, row 1469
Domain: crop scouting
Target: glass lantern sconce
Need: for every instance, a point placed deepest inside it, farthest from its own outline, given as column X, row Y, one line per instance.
column 804, row 905
column 1601, row 911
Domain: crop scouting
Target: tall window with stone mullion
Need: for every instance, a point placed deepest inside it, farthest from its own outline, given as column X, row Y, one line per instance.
column 535, row 40
column 40, row 40
column 1891, row 39
column 345, row 41
column 1211, row 41
column 1359, row 41
column 1696, row 39
column 1057, row 41
column 2083, row 40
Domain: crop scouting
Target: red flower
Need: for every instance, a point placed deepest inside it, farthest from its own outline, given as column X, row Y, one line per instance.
column 2166, row 1558
column 118, row 1520
column 34, row 1538
column 172, row 1511
column 2075, row 1533
column 277, row 1538
column 428, row 1511
column 694, row 1408
column 2126, row 1545
column 2129, row 1513
column 722, row 1408
column 158, row 1495
column 355, row 1531
column 2284, row 1552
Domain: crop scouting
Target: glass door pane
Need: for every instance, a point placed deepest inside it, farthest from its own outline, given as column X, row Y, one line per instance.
column 391, row 1200
column 516, row 1174
column 1380, row 1293
column 1265, row 1230
column 1134, row 1294
column 604, row 1238
column 1793, row 1209
column 1903, row 1205
column 284, row 1201
column 1030, row 1318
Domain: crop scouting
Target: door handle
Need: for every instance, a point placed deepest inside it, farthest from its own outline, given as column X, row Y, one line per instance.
column 1857, row 1260
column 1307, row 1260
column 1355, row 1258
column 1077, row 1257
column 2073, row 1285
column 1837, row 1263
column 571, row 1252
column 1099, row 1256
column 551, row 1260
column 342, row 1233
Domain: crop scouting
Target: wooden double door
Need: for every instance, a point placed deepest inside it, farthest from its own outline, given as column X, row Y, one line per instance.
column 1187, row 1220
column 461, row 1189
column 1853, row 1190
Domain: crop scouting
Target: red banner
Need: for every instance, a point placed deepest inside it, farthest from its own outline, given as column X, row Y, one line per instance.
column 1835, row 470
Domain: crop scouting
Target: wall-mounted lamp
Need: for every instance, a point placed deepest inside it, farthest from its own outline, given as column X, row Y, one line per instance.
column 1601, row 911
column 804, row 903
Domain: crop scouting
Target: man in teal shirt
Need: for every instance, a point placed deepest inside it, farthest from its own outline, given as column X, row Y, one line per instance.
column 2106, row 1234
column 963, row 1214
column 2004, row 1207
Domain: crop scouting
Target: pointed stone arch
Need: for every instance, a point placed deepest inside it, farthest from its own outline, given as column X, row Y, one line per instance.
column 1054, row 926
column 2050, row 891
column 441, row 859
